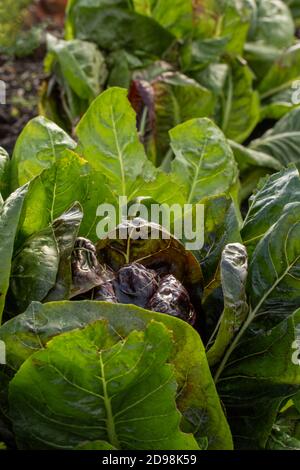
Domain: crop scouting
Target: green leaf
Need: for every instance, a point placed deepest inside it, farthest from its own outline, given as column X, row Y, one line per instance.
column 38, row 146
column 286, row 431
column 177, row 99
column 114, row 25
column 258, row 378
column 56, row 189
column 283, row 140
column 110, row 143
column 273, row 271
column 279, row 104
column 260, row 57
column 234, row 21
column 82, row 65
column 34, row 270
column 66, row 230
column 234, row 270
column 220, row 228
column 26, row 333
column 240, row 103
column 109, row 140
column 282, row 74
column 272, row 23
column 197, row 54
column 203, row 159
column 257, row 371
column 9, row 219
column 126, row 397
column 4, row 172
column 247, row 158
column 174, row 15
column 268, row 203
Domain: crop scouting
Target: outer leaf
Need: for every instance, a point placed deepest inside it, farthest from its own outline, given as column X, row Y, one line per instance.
column 279, row 104
column 112, row 25
column 24, row 334
column 283, row 140
column 283, row 72
column 274, row 281
column 272, row 23
column 203, row 160
column 175, row 16
column 259, row 376
column 82, row 65
column 247, row 158
column 197, row 54
column 126, row 397
column 34, row 270
column 286, row 431
column 177, row 98
column 234, row 270
column 235, row 20
column 56, row 189
column 268, row 203
column 221, row 227
column 240, row 103
column 38, row 146
column 9, row 219
column 65, row 229
column 110, row 142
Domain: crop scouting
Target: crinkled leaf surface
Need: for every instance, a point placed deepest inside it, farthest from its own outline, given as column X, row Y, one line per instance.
column 34, row 270
column 65, row 229
column 27, row 332
column 126, row 396
column 82, row 65
column 234, row 270
column 259, row 376
column 267, row 204
column 220, row 228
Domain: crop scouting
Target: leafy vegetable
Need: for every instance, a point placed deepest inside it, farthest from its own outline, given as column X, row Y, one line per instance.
column 118, row 332
column 127, row 394
column 197, row 391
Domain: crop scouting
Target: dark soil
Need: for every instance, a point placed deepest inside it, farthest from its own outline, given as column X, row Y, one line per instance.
column 24, row 76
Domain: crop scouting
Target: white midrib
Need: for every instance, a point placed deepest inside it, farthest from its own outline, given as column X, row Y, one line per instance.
column 111, row 430
column 196, row 175
column 120, row 157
